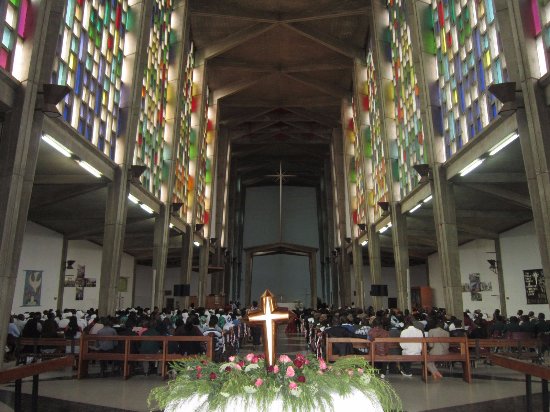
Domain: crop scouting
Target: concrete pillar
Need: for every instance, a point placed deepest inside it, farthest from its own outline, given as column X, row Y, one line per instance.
column 501, row 285
column 62, row 270
column 19, row 145
column 248, row 279
column 186, row 262
column 375, row 262
column 335, row 280
column 532, row 116
column 400, row 254
column 313, row 278
column 118, row 189
column 160, row 253
column 204, row 255
column 358, row 274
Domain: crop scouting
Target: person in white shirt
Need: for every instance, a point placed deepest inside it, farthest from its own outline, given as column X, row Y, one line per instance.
column 411, row 348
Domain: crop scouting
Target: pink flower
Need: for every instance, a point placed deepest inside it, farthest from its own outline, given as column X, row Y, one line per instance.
column 350, row 372
column 298, row 363
column 284, row 359
column 228, row 368
column 240, row 364
column 276, row 369
column 258, row 382
column 292, row 386
column 290, row 372
column 301, row 379
column 249, row 357
column 212, row 376
column 199, row 375
column 232, row 359
column 255, row 359
column 199, row 368
column 360, row 371
column 322, row 364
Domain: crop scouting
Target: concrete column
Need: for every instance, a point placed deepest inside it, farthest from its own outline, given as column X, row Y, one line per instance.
column 62, row 270
column 442, row 191
column 400, row 254
column 248, row 280
column 118, row 189
column 358, row 272
column 160, row 253
column 332, row 280
column 204, row 255
column 19, row 145
column 186, row 262
column 532, row 116
column 313, row 278
column 375, row 262
column 176, row 83
column 335, row 280
column 500, row 273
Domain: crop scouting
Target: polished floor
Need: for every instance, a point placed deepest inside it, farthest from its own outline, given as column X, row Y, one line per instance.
column 493, row 389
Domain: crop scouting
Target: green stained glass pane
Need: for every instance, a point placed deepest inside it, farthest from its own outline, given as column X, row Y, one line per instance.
column 7, row 38
column 16, row 3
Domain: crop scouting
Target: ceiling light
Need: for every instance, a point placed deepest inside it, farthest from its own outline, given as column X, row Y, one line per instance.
column 364, row 243
column 414, row 209
column 503, row 143
column 146, row 208
column 389, row 225
column 89, row 168
column 56, row 145
column 133, row 199
column 171, row 226
column 471, row 166
column 429, row 198
column 196, row 243
column 382, row 230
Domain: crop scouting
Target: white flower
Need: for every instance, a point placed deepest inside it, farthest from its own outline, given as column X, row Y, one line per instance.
column 250, row 367
column 365, row 378
column 225, row 394
column 296, row 392
column 250, row 389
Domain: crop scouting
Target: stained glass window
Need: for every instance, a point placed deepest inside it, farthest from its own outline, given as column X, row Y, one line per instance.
column 149, row 149
column 356, row 170
column 90, row 55
column 183, row 184
column 14, row 31
column 373, row 140
column 540, row 10
column 408, row 147
column 469, row 60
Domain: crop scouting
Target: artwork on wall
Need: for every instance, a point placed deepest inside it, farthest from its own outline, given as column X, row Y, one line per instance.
column 79, row 293
column 90, row 282
column 475, row 282
column 535, row 289
column 33, row 288
column 475, row 286
column 476, row 296
column 69, row 281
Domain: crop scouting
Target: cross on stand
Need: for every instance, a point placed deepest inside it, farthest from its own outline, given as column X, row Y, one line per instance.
column 269, row 315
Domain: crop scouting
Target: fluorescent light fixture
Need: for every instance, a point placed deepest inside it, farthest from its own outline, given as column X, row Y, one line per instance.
column 364, row 243
column 429, row 198
column 414, row 209
column 56, row 145
column 89, row 168
column 196, row 243
column 471, row 166
column 503, row 143
column 133, row 199
column 389, row 225
column 146, row 208
column 171, row 226
column 382, row 230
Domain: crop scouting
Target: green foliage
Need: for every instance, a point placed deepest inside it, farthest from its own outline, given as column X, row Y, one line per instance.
column 304, row 384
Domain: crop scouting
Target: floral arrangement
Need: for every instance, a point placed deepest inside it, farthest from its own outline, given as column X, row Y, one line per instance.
column 304, row 383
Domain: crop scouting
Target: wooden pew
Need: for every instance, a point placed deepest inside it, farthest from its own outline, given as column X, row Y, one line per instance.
column 126, row 356
column 60, row 344
column 522, row 348
column 463, row 354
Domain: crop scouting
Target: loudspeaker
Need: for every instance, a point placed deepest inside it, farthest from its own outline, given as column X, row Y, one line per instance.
column 379, row 290
column 182, row 290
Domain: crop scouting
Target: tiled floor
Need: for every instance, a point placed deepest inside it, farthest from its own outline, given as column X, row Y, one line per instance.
column 493, row 389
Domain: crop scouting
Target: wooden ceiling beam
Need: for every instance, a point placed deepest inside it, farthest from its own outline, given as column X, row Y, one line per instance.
column 312, row 15
column 504, row 194
column 328, row 41
column 223, row 64
column 220, row 9
column 309, row 115
column 233, row 121
column 237, row 87
column 327, row 88
column 503, row 177
column 318, row 101
column 233, row 41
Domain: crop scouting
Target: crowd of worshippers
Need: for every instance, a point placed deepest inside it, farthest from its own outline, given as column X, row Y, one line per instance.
column 131, row 322
column 436, row 322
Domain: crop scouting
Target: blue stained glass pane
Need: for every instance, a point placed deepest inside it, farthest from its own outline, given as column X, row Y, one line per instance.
column 481, row 76
column 489, row 11
column 78, row 79
column 461, row 98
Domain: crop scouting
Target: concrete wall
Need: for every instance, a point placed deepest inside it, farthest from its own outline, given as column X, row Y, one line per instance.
column 519, row 249
column 285, row 275
column 42, row 250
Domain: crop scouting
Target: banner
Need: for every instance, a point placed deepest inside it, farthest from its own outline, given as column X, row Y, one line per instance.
column 535, row 288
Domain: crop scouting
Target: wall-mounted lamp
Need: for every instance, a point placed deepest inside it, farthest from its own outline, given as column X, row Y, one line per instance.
column 385, row 206
column 348, row 240
column 51, row 95
column 362, row 226
column 69, row 264
column 198, row 227
column 364, row 242
column 135, row 172
column 213, row 241
column 175, row 207
column 493, row 266
column 507, row 94
column 425, row 172
column 196, row 243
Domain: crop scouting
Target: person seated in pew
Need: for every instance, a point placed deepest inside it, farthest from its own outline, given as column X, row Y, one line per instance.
column 150, row 346
column 437, row 348
column 106, row 345
column 377, row 331
column 410, row 348
column 190, row 328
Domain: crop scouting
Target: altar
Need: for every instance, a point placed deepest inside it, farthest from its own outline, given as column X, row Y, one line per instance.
column 355, row 400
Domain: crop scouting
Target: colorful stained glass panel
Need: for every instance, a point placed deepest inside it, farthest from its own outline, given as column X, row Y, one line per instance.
column 14, row 31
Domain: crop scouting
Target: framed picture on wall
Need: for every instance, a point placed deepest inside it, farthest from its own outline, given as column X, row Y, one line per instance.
column 122, row 284
column 535, row 289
